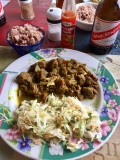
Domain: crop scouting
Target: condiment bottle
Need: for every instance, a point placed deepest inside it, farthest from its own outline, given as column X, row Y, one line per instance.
column 27, row 12
column 2, row 15
column 54, row 24
column 68, row 20
column 59, row 3
column 106, row 26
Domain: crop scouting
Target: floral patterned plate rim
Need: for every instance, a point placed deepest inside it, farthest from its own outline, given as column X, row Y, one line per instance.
column 109, row 110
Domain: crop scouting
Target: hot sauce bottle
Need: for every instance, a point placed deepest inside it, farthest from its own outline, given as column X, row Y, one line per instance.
column 59, row 3
column 68, row 20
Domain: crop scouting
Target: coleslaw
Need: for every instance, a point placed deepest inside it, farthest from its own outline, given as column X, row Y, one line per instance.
column 64, row 120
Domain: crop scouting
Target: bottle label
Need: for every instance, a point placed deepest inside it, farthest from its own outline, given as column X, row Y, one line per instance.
column 105, row 32
column 68, row 32
column 68, row 28
column 1, row 9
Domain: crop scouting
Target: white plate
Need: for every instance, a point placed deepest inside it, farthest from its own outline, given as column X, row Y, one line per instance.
column 107, row 106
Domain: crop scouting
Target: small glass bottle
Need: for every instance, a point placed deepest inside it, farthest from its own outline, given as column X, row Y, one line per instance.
column 27, row 12
column 54, row 24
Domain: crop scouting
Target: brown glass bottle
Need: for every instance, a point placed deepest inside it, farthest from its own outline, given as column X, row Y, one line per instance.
column 2, row 16
column 106, row 26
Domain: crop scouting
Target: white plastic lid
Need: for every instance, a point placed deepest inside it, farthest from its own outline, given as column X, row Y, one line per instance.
column 54, row 14
column 25, row 1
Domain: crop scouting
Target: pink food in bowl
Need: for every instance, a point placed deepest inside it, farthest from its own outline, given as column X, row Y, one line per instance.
column 25, row 35
column 86, row 13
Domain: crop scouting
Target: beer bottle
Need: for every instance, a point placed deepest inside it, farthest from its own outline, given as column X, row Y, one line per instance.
column 106, row 26
column 2, row 16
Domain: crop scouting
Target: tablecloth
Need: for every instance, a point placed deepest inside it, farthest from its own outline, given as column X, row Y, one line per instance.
column 82, row 38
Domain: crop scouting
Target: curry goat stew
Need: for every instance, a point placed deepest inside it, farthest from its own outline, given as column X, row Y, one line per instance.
column 60, row 77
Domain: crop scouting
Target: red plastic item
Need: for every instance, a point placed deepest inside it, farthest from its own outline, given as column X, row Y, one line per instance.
column 13, row 17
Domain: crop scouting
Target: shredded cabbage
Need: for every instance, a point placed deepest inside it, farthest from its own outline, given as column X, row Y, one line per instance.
column 58, row 120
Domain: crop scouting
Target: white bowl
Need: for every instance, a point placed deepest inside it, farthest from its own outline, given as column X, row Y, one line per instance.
column 87, row 26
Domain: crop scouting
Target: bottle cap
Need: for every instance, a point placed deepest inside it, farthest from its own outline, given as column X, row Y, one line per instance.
column 25, row 1
column 54, row 15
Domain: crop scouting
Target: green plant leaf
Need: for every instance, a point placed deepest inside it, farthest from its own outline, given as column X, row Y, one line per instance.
column 109, row 122
column 13, row 142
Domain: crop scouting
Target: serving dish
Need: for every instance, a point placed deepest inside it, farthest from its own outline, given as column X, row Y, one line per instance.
column 24, row 49
column 107, row 108
column 84, row 25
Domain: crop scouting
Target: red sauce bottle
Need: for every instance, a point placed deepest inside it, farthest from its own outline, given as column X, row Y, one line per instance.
column 59, row 3
column 68, row 20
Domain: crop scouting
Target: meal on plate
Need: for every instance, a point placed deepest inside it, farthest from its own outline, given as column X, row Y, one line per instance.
column 60, row 77
column 57, row 120
column 86, row 13
column 25, row 35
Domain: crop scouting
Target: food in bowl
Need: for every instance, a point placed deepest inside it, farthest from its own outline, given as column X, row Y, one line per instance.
column 25, row 35
column 86, row 13
column 60, row 77
column 25, row 39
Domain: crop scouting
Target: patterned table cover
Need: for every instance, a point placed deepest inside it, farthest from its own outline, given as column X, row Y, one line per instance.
column 82, row 38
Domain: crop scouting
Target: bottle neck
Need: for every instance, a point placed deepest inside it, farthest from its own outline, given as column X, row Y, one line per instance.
column 69, row 5
column 109, row 10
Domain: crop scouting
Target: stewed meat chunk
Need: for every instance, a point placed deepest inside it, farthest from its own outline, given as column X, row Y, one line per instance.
column 88, row 92
column 24, row 78
column 58, row 76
